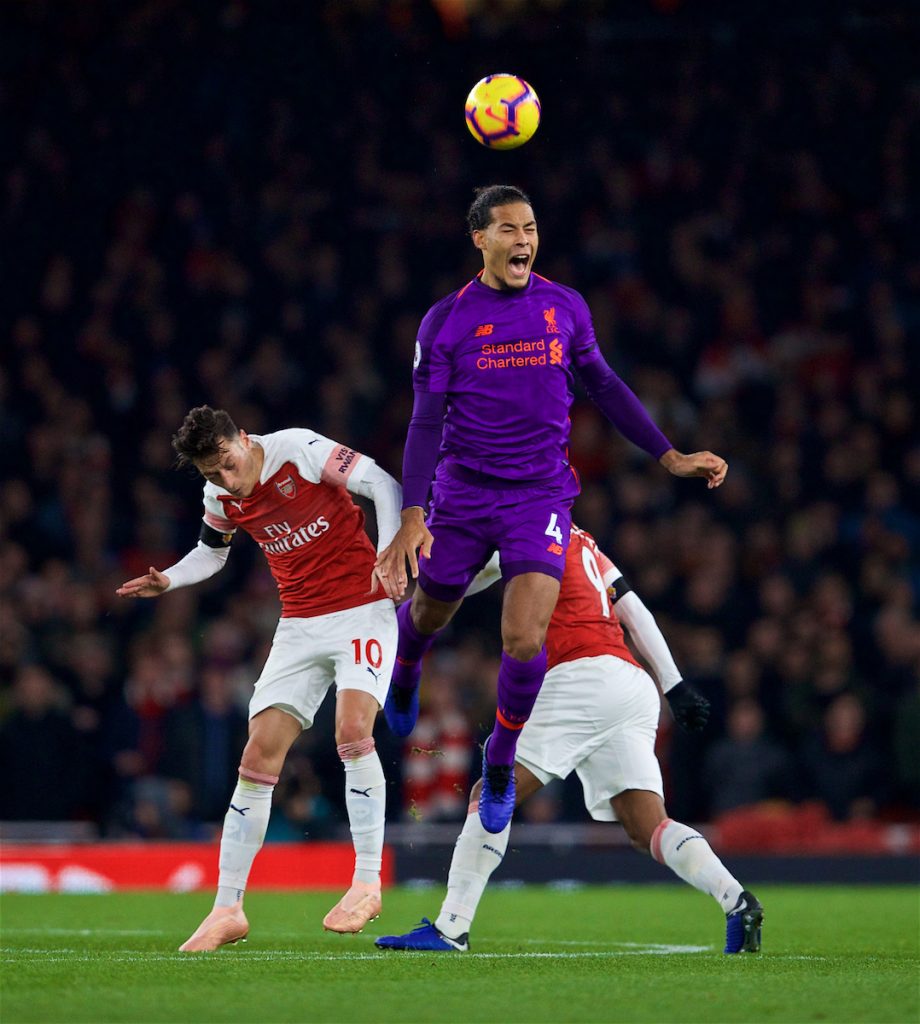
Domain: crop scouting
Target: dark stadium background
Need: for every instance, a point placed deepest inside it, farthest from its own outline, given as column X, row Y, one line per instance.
column 252, row 205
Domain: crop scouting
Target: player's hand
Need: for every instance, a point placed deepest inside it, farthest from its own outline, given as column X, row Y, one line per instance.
column 412, row 538
column 689, row 707
column 705, row 464
column 151, row 585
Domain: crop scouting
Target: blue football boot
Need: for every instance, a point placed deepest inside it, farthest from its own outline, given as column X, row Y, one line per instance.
column 742, row 925
column 400, row 709
column 425, row 938
column 496, row 801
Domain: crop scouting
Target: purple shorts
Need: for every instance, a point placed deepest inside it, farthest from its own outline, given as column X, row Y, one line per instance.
column 473, row 515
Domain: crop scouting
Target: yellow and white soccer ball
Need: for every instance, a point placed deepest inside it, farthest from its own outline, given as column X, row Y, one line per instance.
column 502, row 111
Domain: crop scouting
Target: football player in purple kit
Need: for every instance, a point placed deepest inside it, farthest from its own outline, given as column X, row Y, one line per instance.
column 490, row 427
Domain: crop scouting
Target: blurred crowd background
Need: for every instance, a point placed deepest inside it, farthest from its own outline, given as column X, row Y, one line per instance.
column 253, row 205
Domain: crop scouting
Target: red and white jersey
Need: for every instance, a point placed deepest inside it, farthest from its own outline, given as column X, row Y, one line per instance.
column 302, row 517
column 584, row 624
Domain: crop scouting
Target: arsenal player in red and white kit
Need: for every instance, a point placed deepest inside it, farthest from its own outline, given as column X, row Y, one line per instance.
column 596, row 715
column 290, row 492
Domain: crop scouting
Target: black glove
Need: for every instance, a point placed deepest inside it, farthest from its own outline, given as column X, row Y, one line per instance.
column 689, row 707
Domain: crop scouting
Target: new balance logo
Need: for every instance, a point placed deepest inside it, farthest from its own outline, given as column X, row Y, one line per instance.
column 555, row 549
column 361, row 792
column 484, row 329
column 239, row 810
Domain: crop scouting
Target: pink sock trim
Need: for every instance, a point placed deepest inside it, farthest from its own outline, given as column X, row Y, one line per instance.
column 473, row 808
column 348, row 751
column 251, row 776
column 655, row 844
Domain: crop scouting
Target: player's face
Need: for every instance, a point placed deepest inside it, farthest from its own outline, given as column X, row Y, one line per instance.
column 508, row 246
column 235, row 468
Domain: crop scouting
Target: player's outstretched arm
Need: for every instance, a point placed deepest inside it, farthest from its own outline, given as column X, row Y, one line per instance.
column 705, row 464
column 420, row 457
column 412, row 538
column 689, row 707
column 201, row 563
column 152, row 584
column 624, row 410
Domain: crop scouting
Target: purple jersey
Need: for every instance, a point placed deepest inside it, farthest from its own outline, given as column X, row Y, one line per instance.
column 504, row 361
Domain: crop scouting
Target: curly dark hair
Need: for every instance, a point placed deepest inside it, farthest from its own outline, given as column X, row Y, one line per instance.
column 203, row 434
column 479, row 215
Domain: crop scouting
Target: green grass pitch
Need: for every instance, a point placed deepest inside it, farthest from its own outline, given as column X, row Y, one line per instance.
column 630, row 953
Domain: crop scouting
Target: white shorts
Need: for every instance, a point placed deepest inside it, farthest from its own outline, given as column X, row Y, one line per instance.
column 355, row 649
column 597, row 717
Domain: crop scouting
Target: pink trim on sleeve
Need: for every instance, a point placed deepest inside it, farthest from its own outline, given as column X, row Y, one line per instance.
column 219, row 523
column 339, row 466
column 604, row 563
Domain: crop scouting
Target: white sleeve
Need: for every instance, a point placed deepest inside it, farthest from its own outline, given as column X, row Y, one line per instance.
column 214, row 511
column 384, row 492
column 490, row 573
column 609, row 572
column 318, row 459
column 201, row 563
column 645, row 634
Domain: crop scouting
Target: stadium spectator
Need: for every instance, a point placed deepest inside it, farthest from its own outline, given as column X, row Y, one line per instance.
column 39, row 751
column 178, row 228
column 843, row 768
column 746, row 766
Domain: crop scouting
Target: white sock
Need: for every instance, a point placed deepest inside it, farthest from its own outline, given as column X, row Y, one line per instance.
column 244, row 832
column 477, row 854
column 365, row 799
column 691, row 858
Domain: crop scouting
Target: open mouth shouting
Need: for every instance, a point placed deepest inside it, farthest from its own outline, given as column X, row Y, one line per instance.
column 519, row 266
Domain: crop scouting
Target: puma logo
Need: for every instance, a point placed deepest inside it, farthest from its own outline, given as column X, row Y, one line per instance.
column 376, row 675
column 361, row 792
column 239, row 810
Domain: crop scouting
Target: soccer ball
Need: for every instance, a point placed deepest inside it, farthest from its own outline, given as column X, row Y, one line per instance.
column 502, row 111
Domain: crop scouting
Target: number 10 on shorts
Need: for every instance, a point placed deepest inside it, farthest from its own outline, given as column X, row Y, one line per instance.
column 370, row 650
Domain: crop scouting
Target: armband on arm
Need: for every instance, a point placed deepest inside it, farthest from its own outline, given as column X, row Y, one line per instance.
column 208, row 557
column 214, row 538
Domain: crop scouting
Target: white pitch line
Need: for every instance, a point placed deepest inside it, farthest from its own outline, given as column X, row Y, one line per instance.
column 648, row 947
column 42, row 956
column 70, row 956
column 644, row 947
column 52, row 956
column 84, row 931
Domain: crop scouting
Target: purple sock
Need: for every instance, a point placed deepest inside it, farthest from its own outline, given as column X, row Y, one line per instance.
column 410, row 649
column 519, row 684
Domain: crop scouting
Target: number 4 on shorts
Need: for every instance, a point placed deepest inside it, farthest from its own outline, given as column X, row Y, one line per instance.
column 552, row 530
